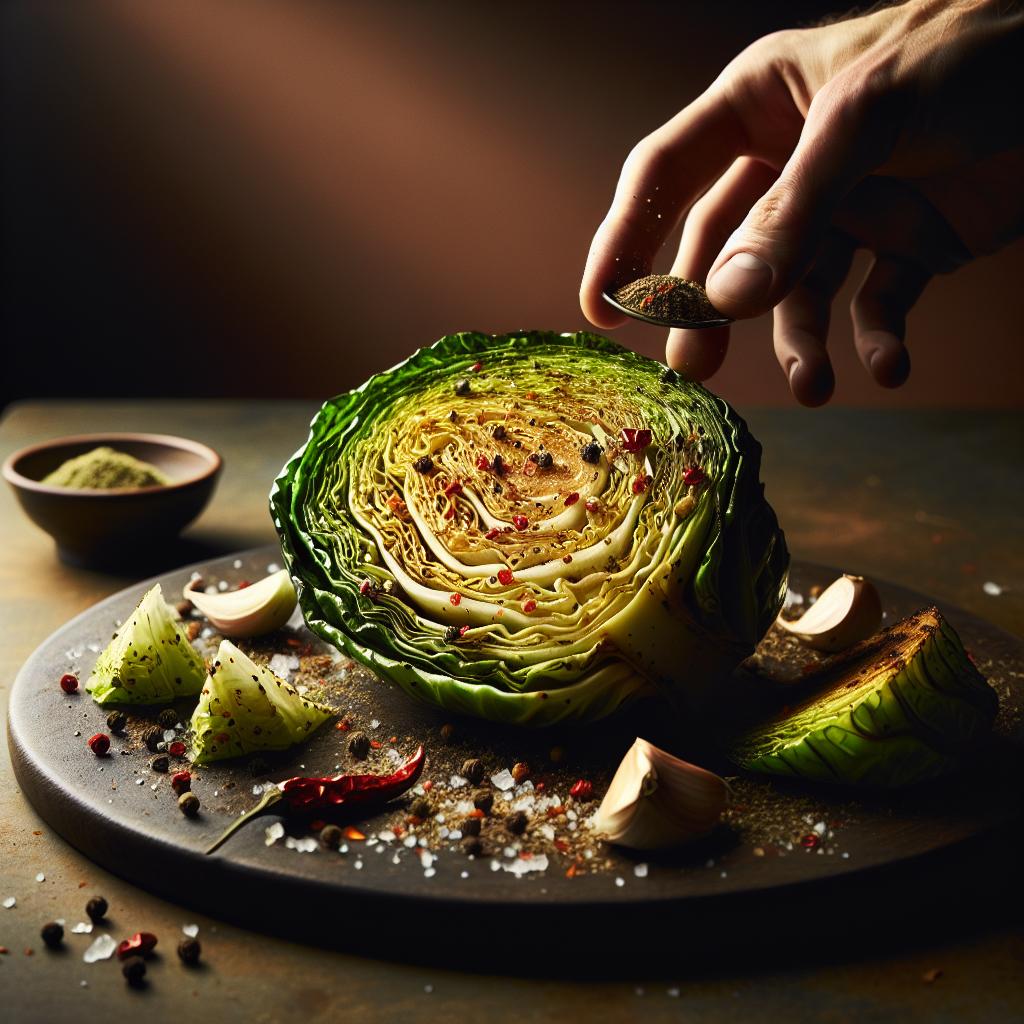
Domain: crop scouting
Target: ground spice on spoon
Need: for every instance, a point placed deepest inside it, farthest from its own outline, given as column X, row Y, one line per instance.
column 667, row 298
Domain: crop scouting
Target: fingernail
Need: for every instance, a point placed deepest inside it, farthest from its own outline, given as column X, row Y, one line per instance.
column 744, row 279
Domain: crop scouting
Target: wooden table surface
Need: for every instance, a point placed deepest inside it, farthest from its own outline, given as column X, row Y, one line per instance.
column 931, row 500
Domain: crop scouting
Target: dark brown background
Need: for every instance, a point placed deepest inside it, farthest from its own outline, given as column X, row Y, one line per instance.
column 280, row 198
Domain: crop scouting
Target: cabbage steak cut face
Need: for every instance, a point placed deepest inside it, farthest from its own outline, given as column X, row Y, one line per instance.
column 533, row 527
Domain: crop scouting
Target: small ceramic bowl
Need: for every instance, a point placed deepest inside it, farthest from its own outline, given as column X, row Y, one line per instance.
column 103, row 528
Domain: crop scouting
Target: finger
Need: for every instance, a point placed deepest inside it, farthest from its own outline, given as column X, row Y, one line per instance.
column 801, row 323
column 848, row 133
column 698, row 355
column 879, row 313
column 662, row 176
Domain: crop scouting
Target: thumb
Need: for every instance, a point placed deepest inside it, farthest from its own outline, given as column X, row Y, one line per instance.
column 845, row 136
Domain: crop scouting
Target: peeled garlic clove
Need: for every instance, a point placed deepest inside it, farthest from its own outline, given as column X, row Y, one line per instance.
column 848, row 611
column 252, row 611
column 656, row 801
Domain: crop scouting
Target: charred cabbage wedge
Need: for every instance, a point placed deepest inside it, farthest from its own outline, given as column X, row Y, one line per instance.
column 532, row 528
column 900, row 708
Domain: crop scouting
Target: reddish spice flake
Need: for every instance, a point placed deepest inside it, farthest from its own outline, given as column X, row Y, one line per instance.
column 505, row 577
column 810, row 841
column 582, row 789
column 640, row 483
column 476, row 367
column 344, row 725
column 531, row 395
column 570, row 872
column 140, row 944
column 176, row 749
column 428, row 785
column 455, row 599
column 181, row 782
column 634, row 440
column 554, row 812
column 69, row 682
column 529, row 468
column 398, row 506
column 561, row 845
column 475, row 813
column 449, row 512
column 483, row 463
column 244, row 584
column 693, row 476
column 351, row 832
column 520, row 522
column 567, row 559
column 376, row 744
column 592, row 505
column 571, row 499
column 365, row 587
column 463, row 630
column 455, row 487
column 540, row 786
column 317, row 825
column 492, row 533
column 529, row 606
column 99, row 744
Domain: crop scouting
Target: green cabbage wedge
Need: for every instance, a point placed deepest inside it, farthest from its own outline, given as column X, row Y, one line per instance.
column 149, row 660
column 901, row 708
column 244, row 708
column 487, row 526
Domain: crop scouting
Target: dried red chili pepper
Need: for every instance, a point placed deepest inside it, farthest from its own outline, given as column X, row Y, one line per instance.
column 455, row 599
column 694, row 476
column 483, row 463
column 520, row 522
column 302, row 794
column 492, row 533
column 505, row 577
column 640, row 483
column 582, row 789
column 571, row 499
column 476, row 367
column 140, row 944
column 633, row 440
column 455, row 487
column 529, row 606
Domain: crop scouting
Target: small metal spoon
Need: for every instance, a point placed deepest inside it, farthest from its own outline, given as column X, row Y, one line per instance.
column 691, row 325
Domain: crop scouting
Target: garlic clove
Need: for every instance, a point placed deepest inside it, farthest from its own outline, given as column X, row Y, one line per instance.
column 849, row 610
column 657, row 801
column 259, row 608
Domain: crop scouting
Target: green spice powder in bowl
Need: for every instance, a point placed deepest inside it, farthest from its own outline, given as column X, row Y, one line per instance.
column 112, row 499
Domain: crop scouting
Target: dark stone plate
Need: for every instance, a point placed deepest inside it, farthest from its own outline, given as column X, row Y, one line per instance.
column 136, row 830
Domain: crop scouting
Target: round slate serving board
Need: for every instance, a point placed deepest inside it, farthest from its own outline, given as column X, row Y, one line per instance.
column 124, row 816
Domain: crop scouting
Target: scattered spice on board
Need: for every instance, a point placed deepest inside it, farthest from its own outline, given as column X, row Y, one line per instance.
column 667, row 298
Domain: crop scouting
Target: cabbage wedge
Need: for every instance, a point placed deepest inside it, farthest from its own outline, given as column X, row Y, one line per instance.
column 149, row 660
column 532, row 528
column 245, row 708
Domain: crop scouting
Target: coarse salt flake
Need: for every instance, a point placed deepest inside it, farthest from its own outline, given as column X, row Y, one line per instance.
column 191, row 930
column 307, row 844
column 272, row 833
column 640, row 870
column 101, row 948
column 619, row 882
column 82, row 928
column 40, row 877
column 503, row 780
column 521, row 867
column 10, row 902
column 992, row 589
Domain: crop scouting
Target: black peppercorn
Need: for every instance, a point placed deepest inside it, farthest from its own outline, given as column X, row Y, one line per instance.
column 472, row 846
column 517, row 444
column 52, row 934
column 330, row 836
column 153, row 738
column 188, row 804
column 498, row 465
column 359, row 745
column 473, row 769
column 134, row 970
column 546, row 460
column 592, row 452
column 516, row 823
column 462, row 386
column 447, row 732
column 420, row 808
column 117, row 721
column 669, row 376
column 258, row 767
column 160, row 763
column 96, row 909
column 168, row 718
column 188, row 952
column 424, row 464
column 499, row 433
column 471, row 827
column 483, row 800
column 451, row 634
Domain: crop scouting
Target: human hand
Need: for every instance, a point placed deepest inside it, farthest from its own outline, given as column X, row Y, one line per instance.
column 896, row 132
